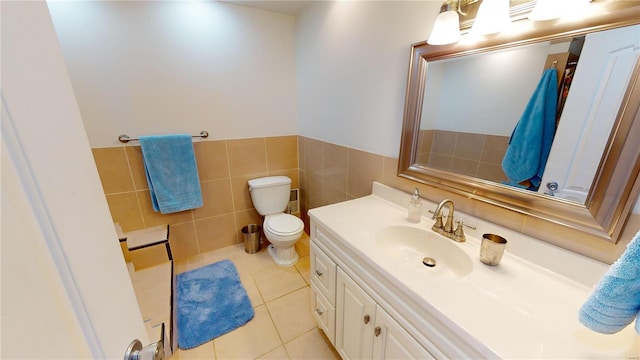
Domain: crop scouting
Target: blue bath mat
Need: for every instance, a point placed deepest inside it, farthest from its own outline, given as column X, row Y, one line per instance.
column 211, row 302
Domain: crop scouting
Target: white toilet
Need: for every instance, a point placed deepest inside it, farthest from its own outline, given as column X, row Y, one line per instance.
column 270, row 196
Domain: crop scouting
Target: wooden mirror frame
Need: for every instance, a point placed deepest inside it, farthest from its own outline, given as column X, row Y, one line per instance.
column 616, row 184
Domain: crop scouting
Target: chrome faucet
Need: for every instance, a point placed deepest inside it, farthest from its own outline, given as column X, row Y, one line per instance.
column 446, row 229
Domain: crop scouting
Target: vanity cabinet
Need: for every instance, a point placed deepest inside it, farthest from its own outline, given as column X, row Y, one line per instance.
column 357, row 326
column 365, row 331
column 355, row 316
column 323, row 294
column 393, row 342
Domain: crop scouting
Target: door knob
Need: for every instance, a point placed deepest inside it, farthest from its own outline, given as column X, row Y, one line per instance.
column 553, row 187
column 135, row 351
column 366, row 319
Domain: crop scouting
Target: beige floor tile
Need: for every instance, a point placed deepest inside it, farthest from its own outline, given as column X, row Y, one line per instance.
column 303, row 267
column 246, row 264
column 252, row 290
column 227, row 250
column 311, row 345
column 292, row 314
column 252, row 263
column 188, row 264
column 202, row 352
column 214, row 256
column 278, row 281
column 278, row 354
column 256, row 338
column 302, row 246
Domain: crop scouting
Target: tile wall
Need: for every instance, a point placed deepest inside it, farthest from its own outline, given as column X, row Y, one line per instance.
column 325, row 173
column 330, row 173
column 224, row 168
column 476, row 155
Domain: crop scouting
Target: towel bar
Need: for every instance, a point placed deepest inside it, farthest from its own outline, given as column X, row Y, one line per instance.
column 125, row 138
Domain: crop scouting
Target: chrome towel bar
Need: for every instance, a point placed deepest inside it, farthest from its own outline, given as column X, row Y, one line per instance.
column 125, row 138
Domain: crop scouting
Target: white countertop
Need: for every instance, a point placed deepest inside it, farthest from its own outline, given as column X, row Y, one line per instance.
column 517, row 309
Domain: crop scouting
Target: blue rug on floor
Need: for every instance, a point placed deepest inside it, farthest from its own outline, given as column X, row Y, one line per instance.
column 211, row 302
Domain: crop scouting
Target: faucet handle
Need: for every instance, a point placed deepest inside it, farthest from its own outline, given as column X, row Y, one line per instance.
column 458, row 234
column 438, row 224
column 460, row 222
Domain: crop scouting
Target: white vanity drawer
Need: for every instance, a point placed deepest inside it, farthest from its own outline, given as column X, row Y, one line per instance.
column 324, row 313
column 323, row 273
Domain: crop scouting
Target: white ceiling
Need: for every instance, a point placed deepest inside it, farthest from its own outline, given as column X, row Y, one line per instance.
column 287, row 7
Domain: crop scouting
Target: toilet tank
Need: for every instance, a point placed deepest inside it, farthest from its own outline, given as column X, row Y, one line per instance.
column 270, row 195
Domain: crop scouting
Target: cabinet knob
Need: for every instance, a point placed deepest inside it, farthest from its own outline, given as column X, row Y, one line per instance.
column 318, row 272
column 366, row 319
column 377, row 331
column 320, row 312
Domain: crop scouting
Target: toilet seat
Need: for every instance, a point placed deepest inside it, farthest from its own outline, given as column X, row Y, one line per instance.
column 283, row 224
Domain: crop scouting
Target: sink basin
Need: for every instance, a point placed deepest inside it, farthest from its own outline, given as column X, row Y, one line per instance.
column 409, row 246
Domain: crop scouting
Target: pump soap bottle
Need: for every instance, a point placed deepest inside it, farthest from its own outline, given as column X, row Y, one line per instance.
column 415, row 207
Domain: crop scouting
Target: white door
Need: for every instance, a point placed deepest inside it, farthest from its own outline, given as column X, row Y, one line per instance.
column 66, row 292
column 355, row 317
column 603, row 73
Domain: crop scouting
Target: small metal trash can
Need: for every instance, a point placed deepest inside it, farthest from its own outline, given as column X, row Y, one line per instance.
column 251, row 234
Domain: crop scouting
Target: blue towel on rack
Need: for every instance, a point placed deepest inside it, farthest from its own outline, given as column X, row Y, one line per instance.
column 172, row 174
column 531, row 139
column 615, row 300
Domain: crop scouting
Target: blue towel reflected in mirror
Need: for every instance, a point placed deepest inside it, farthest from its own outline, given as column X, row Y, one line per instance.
column 531, row 140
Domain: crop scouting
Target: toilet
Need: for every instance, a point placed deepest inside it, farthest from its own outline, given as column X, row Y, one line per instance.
column 270, row 197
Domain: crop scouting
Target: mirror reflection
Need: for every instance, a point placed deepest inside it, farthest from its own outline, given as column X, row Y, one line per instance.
column 525, row 99
column 468, row 119
column 593, row 159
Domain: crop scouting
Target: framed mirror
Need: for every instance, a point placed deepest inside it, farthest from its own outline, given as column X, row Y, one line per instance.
column 451, row 139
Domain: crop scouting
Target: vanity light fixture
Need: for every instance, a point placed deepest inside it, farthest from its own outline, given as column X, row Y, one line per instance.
column 493, row 17
column 554, row 9
column 446, row 29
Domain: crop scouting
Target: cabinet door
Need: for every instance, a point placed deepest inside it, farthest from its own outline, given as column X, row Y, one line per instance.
column 355, row 317
column 391, row 341
column 324, row 313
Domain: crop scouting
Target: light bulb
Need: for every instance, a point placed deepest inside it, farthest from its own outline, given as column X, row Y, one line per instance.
column 446, row 29
column 493, row 17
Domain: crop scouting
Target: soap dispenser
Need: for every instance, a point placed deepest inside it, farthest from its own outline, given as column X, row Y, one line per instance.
column 415, row 207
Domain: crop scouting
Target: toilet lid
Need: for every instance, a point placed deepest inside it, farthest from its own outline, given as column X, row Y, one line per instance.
column 283, row 224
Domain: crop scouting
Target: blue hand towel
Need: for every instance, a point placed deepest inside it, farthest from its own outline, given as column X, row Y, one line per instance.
column 615, row 300
column 531, row 139
column 172, row 174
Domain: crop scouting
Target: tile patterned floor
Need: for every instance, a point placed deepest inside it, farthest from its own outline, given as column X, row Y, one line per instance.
column 282, row 328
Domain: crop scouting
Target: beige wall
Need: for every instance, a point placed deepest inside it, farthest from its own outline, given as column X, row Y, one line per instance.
column 158, row 67
column 224, row 168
